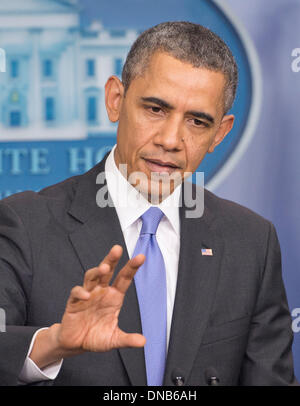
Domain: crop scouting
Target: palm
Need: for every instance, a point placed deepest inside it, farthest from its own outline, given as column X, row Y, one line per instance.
column 90, row 322
column 93, row 325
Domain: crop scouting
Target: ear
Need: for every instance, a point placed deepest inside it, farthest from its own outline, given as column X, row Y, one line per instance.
column 224, row 128
column 114, row 92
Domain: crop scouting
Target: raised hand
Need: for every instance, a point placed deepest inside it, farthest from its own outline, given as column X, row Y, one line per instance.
column 90, row 321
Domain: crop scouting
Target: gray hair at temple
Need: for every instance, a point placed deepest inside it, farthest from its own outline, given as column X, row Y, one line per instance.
column 187, row 42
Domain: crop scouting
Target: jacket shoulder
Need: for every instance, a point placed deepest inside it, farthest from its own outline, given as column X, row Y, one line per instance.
column 236, row 219
column 34, row 201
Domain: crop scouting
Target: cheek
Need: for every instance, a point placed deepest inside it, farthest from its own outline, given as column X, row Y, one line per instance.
column 142, row 124
column 193, row 160
column 134, row 132
column 142, row 131
column 196, row 150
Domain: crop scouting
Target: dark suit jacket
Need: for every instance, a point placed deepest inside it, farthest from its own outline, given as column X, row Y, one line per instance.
column 230, row 309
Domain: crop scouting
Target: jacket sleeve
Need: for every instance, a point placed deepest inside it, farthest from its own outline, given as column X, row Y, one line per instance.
column 15, row 286
column 268, row 359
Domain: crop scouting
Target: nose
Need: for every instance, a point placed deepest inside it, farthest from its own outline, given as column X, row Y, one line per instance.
column 169, row 135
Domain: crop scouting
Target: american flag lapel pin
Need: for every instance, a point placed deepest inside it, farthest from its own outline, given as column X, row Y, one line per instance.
column 207, row 251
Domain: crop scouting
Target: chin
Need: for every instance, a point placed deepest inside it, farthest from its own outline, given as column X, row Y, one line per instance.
column 156, row 191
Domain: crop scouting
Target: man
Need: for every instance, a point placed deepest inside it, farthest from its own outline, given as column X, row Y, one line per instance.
column 199, row 297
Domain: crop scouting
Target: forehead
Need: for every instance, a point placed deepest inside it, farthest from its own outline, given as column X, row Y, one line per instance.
column 180, row 83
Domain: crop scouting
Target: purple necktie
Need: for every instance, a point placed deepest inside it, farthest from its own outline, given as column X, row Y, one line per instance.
column 150, row 282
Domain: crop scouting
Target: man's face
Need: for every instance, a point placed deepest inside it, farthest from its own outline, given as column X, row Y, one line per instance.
column 169, row 119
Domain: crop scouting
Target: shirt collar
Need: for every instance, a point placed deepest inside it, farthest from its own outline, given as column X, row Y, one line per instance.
column 130, row 204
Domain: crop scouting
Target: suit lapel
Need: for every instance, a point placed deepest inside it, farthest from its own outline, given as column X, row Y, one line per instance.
column 97, row 230
column 196, row 285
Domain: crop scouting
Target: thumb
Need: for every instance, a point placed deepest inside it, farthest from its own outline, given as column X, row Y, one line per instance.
column 130, row 340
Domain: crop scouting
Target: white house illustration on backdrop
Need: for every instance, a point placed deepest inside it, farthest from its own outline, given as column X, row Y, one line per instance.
column 53, row 87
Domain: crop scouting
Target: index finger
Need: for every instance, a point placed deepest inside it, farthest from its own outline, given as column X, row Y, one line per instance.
column 126, row 274
column 102, row 274
column 113, row 257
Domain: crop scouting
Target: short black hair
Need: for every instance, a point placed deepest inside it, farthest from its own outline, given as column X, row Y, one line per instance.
column 188, row 42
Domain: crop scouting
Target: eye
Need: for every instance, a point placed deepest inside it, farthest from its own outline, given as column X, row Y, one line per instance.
column 199, row 123
column 155, row 109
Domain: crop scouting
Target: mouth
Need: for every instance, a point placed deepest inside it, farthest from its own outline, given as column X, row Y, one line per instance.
column 156, row 165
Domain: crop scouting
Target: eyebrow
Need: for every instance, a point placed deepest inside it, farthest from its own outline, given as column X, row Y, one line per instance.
column 158, row 101
column 166, row 105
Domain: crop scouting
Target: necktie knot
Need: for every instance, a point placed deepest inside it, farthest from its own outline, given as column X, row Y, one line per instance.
column 151, row 219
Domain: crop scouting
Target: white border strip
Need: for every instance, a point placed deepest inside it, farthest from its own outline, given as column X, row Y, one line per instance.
column 255, row 107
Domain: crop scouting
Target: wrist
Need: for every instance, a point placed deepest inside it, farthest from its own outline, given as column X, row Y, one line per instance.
column 47, row 348
column 57, row 347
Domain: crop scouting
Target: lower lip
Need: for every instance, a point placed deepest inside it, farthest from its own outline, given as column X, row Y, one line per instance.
column 159, row 168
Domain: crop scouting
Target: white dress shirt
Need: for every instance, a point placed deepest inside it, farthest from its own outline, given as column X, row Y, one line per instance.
column 130, row 205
